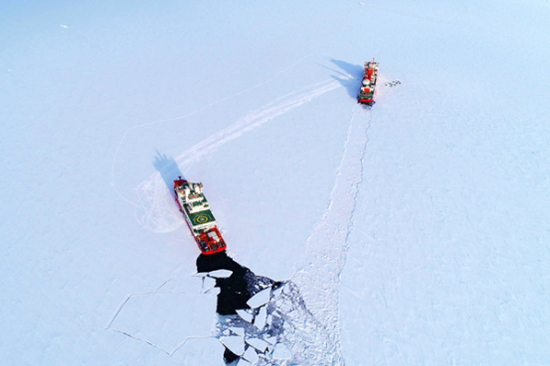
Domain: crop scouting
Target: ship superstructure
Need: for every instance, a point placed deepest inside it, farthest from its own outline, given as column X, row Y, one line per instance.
column 199, row 218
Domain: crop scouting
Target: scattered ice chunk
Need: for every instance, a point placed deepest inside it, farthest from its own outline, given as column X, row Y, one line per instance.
column 251, row 355
column 270, row 340
column 245, row 315
column 281, row 352
column 261, row 318
column 260, row 298
column 257, row 343
column 220, row 273
column 237, row 330
column 234, row 343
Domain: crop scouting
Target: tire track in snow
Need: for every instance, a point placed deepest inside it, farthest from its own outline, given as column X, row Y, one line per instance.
column 318, row 273
column 153, row 211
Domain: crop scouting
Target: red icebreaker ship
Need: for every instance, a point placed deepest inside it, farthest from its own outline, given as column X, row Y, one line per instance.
column 366, row 94
column 199, row 218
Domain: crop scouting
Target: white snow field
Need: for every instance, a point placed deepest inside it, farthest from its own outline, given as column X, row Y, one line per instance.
column 413, row 233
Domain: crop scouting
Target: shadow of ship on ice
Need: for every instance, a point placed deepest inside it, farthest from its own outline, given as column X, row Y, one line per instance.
column 281, row 331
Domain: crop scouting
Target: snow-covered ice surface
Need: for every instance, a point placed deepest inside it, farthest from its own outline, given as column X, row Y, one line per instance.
column 414, row 233
column 157, row 318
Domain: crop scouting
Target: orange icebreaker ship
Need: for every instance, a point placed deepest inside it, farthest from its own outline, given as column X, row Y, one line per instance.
column 199, row 218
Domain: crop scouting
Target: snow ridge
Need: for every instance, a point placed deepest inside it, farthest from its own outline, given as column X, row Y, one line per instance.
column 152, row 210
column 318, row 273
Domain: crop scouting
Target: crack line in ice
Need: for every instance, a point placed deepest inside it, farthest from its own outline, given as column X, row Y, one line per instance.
column 119, row 309
column 318, row 272
column 185, row 341
column 142, row 340
column 153, row 193
column 156, row 346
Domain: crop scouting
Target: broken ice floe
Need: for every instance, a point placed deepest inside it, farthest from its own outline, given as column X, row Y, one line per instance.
column 234, row 343
column 220, row 273
column 265, row 318
column 251, row 355
column 208, row 284
column 245, row 315
column 238, row 331
column 257, row 343
column 283, row 332
column 261, row 298
column 260, row 319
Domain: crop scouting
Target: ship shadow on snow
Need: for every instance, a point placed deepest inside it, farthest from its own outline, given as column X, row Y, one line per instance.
column 349, row 76
column 168, row 169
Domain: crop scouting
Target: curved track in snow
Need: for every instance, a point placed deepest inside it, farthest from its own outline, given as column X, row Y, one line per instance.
column 152, row 210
